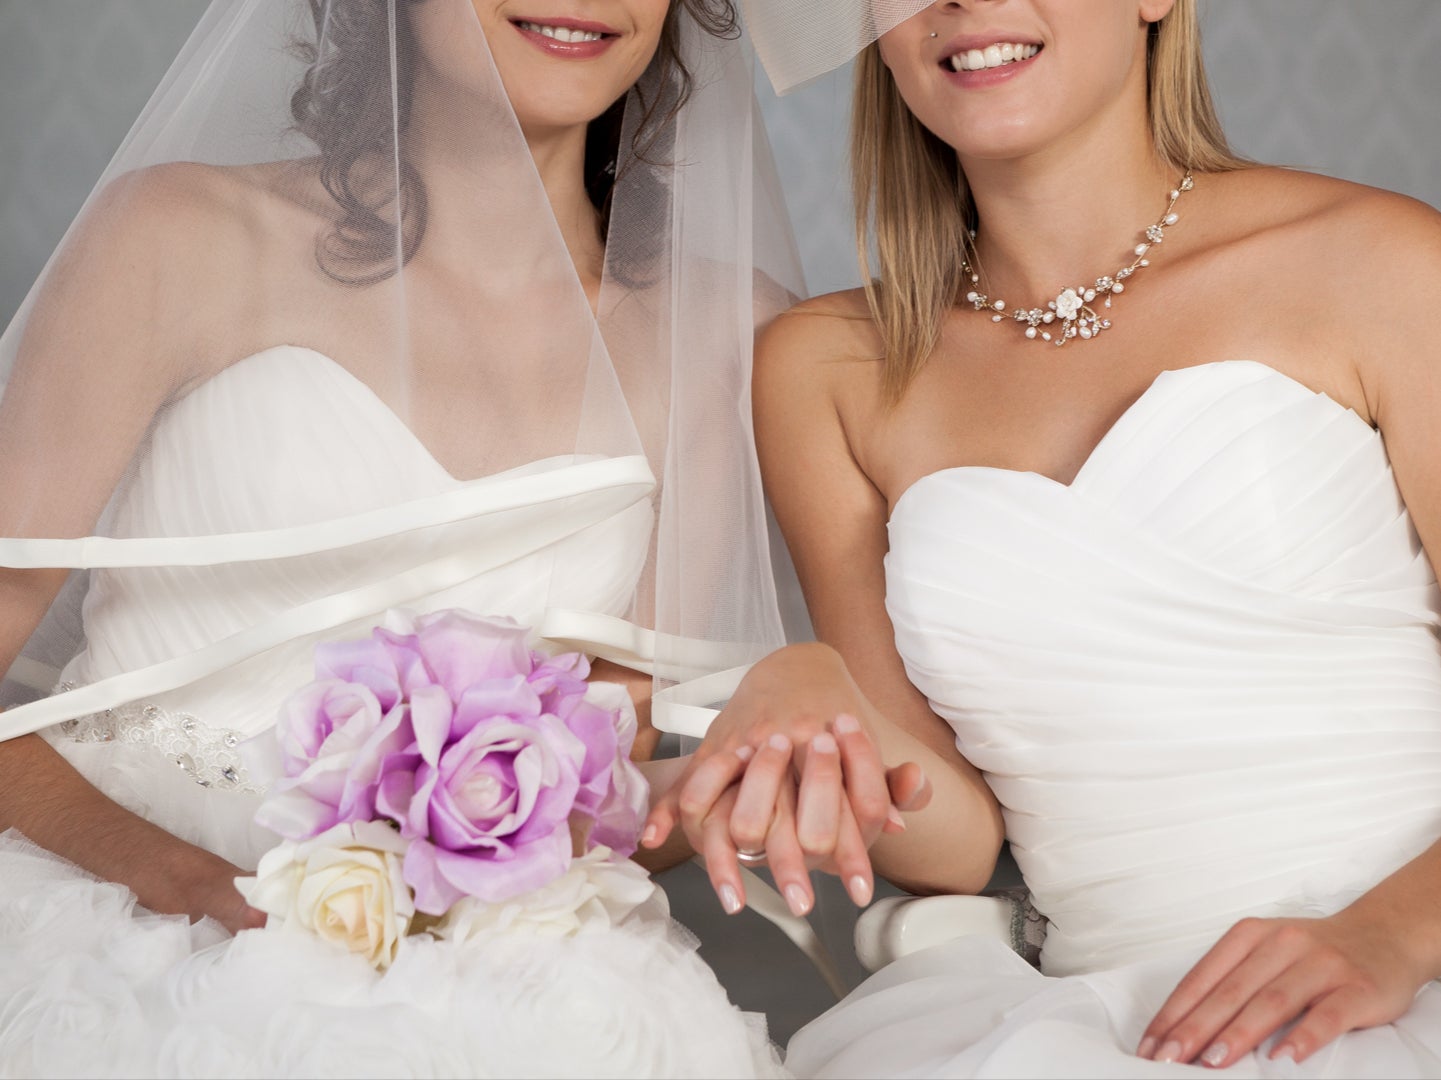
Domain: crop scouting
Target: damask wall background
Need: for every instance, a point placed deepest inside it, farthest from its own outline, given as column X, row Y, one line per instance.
column 1347, row 87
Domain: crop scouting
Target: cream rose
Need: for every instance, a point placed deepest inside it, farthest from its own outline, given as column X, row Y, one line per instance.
column 344, row 885
column 597, row 889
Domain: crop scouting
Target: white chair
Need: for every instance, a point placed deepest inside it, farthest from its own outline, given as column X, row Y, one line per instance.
column 896, row 926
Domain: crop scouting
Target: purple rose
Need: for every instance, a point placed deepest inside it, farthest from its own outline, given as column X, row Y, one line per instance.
column 334, row 736
column 460, row 650
column 488, row 812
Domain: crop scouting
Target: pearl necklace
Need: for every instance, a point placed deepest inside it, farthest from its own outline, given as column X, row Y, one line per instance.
column 1073, row 306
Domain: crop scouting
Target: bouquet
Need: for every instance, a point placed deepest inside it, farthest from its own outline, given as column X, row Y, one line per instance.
column 442, row 778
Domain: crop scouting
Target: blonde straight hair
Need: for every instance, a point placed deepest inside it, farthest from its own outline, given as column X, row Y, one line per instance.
column 908, row 187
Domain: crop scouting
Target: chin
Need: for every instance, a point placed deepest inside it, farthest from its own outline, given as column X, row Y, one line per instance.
column 562, row 107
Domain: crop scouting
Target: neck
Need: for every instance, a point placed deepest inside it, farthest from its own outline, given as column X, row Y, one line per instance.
column 453, row 161
column 559, row 155
column 1068, row 214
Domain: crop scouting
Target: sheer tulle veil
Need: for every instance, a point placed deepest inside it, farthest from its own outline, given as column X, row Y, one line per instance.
column 801, row 40
column 347, row 179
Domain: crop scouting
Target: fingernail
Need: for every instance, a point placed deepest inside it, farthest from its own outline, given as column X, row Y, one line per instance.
column 799, row 901
column 824, row 743
column 1170, row 1052
column 847, row 724
column 1147, row 1047
column 860, row 890
column 647, row 838
column 1215, row 1054
column 730, row 899
column 745, row 751
column 894, row 817
column 1285, row 1052
column 779, row 742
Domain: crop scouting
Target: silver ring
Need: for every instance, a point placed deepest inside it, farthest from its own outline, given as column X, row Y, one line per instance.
column 751, row 858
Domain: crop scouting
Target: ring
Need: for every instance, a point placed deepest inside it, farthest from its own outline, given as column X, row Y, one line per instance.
column 752, row 858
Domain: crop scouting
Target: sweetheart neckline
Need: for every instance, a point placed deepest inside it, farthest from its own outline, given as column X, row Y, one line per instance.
column 1032, row 476
column 378, row 404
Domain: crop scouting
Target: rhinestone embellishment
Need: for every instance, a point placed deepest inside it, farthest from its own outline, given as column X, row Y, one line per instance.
column 1072, row 307
column 208, row 755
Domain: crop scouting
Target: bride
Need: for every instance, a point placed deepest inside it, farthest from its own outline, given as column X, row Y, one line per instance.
column 1146, row 493
column 383, row 304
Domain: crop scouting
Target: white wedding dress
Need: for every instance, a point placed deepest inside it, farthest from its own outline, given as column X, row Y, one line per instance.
column 1204, row 682
column 91, row 986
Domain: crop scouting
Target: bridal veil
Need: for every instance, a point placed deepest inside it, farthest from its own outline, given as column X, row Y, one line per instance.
column 342, row 185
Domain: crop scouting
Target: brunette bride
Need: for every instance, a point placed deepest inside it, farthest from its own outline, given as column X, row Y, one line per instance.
column 1116, row 493
column 383, row 303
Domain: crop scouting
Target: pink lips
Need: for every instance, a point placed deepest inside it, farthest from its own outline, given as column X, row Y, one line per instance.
column 985, row 77
column 570, row 50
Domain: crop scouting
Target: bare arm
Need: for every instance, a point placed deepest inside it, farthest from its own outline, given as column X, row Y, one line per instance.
column 834, row 521
column 101, row 353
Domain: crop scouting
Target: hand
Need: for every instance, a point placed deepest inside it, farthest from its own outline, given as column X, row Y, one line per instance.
column 1336, row 974
column 208, row 890
column 750, row 800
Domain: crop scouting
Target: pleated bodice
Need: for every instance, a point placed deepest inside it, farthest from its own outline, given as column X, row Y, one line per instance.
column 1204, row 679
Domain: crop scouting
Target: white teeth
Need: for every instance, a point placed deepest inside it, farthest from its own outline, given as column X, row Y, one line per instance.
column 561, row 33
column 993, row 56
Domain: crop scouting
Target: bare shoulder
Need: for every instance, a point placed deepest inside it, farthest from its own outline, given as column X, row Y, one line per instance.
column 833, row 332
column 1357, row 236
column 191, row 213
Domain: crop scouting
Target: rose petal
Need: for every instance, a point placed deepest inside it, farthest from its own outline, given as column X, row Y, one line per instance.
column 430, row 718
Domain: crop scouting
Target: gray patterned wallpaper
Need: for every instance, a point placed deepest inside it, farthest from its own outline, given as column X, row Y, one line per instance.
column 1349, row 87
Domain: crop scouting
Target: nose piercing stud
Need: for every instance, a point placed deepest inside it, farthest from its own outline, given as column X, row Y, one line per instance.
column 935, row 35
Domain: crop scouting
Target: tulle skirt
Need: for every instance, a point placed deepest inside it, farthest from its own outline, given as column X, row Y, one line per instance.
column 93, row 985
column 973, row 1008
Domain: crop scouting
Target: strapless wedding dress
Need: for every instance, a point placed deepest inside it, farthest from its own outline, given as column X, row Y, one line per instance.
column 1204, row 682
column 187, row 656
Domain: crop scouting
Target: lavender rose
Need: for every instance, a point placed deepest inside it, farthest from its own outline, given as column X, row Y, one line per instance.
column 487, row 813
column 334, row 735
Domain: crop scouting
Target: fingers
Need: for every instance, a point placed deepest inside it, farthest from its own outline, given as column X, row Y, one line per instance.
column 691, row 798
column 910, row 788
column 787, row 860
column 719, row 851
column 1265, row 990
column 756, row 804
column 852, row 860
column 865, row 775
column 1330, row 1017
column 1261, row 976
column 818, row 806
column 1224, row 956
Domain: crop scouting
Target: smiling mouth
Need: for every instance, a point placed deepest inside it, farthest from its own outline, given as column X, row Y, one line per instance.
column 566, row 34
column 1000, row 54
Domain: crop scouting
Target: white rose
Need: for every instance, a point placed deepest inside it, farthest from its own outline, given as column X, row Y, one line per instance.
column 597, row 889
column 344, row 885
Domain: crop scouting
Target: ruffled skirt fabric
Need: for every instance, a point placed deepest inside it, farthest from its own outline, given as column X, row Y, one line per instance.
column 93, row 985
column 973, row 1008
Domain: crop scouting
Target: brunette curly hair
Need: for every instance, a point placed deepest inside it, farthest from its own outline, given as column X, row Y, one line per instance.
column 344, row 105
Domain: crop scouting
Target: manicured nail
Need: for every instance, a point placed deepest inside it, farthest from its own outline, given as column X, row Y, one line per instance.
column 1284, row 1052
column 745, row 751
column 647, row 838
column 860, row 890
column 779, row 742
column 824, row 743
column 894, row 817
column 847, row 724
column 1170, row 1052
column 1215, row 1054
column 1147, row 1047
column 730, row 899
column 799, row 901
